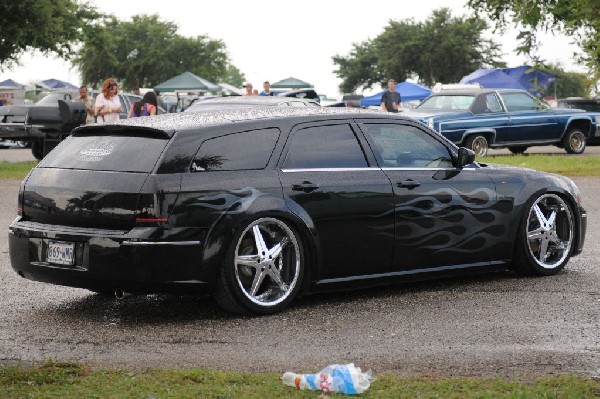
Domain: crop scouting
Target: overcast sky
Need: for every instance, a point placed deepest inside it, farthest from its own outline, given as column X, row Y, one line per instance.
column 273, row 39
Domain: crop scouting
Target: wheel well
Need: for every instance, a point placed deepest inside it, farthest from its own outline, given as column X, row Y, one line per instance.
column 571, row 201
column 488, row 136
column 310, row 250
column 582, row 124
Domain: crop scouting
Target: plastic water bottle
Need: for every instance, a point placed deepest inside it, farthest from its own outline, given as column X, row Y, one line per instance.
column 342, row 378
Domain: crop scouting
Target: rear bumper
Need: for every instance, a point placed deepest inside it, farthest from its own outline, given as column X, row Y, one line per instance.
column 141, row 260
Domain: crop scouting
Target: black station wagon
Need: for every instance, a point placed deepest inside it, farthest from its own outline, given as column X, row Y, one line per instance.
column 259, row 206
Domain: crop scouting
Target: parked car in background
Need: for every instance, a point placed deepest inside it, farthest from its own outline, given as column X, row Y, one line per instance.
column 496, row 118
column 258, row 206
column 239, row 102
column 14, row 143
column 47, row 122
column 587, row 104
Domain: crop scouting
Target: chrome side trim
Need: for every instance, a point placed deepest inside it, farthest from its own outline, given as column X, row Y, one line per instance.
column 366, row 169
column 361, row 169
column 329, row 170
column 145, row 243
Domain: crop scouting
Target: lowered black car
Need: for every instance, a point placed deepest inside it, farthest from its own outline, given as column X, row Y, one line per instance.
column 258, row 206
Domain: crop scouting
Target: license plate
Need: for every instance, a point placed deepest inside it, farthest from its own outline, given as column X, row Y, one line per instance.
column 61, row 253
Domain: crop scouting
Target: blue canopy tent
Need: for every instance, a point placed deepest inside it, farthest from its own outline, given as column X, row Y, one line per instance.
column 55, row 84
column 524, row 77
column 408, row 92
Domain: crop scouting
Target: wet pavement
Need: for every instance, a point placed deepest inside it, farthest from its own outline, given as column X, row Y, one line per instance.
column 491, row 325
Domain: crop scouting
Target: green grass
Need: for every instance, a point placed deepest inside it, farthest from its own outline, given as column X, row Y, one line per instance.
column 567, row 165
column 62, row 380
column 15, row 170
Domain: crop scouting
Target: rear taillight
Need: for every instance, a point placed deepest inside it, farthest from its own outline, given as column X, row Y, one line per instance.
column 20, row 197
column 149, row 212
column 150, row 220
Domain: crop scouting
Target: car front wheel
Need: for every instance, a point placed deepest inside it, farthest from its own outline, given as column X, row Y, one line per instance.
column 545, row 237
column 479, row 144
column 263, row 268
column 574, row 141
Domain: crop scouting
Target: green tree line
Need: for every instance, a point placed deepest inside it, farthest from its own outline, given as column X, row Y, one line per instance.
column 146, row 50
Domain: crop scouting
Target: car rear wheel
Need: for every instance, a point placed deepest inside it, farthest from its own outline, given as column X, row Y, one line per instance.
column 263, row 268
column 518, row 149
column 574, row 141
column 479, row 145
column 545, row 237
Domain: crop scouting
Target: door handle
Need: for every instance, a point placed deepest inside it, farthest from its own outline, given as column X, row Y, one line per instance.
column 305, row 186
column 409, row 183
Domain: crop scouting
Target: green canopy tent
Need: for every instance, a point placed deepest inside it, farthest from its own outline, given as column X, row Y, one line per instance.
column 291, row 83
column 187, row 81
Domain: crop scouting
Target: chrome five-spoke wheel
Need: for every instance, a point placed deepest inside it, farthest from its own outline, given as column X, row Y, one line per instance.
column 266, row 267
column 549, row 235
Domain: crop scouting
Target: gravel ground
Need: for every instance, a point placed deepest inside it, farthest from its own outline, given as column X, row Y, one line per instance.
column 491, row 325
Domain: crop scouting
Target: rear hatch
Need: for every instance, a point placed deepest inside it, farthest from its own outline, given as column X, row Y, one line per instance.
column 95, row 178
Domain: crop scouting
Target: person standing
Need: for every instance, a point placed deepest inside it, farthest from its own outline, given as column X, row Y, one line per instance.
column 249, row 91
column 89, row 104
column 147, row 106
column 108, row 105
column 266, row 89
column 390, row 101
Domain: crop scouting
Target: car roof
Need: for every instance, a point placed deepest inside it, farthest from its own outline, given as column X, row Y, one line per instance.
column 475, row 91
column 233, row 102
column 170, row 123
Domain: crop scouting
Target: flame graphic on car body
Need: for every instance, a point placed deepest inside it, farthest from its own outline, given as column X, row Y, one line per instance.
column 447, row 220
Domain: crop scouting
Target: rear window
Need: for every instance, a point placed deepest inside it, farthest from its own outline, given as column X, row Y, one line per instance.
column 460, row 102
column 118, row 153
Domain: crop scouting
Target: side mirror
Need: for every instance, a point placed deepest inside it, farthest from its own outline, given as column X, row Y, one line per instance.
column 465, row 157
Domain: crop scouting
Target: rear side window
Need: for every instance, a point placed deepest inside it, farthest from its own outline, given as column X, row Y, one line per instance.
column 238, row 151
column 333, row 146
column 118, row 153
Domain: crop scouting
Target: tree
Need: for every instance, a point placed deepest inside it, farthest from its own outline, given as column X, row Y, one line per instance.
column 579, row 19
column 146, row 51
column 441, row 49
column 234, row 76
column 568, row 84
column 50, row 26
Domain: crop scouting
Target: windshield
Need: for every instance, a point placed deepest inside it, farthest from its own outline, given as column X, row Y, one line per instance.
column 458, row 102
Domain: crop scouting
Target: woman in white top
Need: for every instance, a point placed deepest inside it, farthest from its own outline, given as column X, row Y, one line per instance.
column 108, row 106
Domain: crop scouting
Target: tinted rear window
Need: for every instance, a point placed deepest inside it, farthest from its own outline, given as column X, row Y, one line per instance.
column 119, row 153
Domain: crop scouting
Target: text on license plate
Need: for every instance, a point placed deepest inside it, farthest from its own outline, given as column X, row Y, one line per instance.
column 61, row 253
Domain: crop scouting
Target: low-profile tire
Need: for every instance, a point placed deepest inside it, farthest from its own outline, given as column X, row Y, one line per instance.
column 574, row 141
column 479, row 144
column 37, row 149
column 263, row 268
column 518, row 149
column 546, row 236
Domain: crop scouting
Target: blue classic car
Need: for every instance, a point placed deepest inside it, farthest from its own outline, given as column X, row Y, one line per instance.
column 497, row 118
